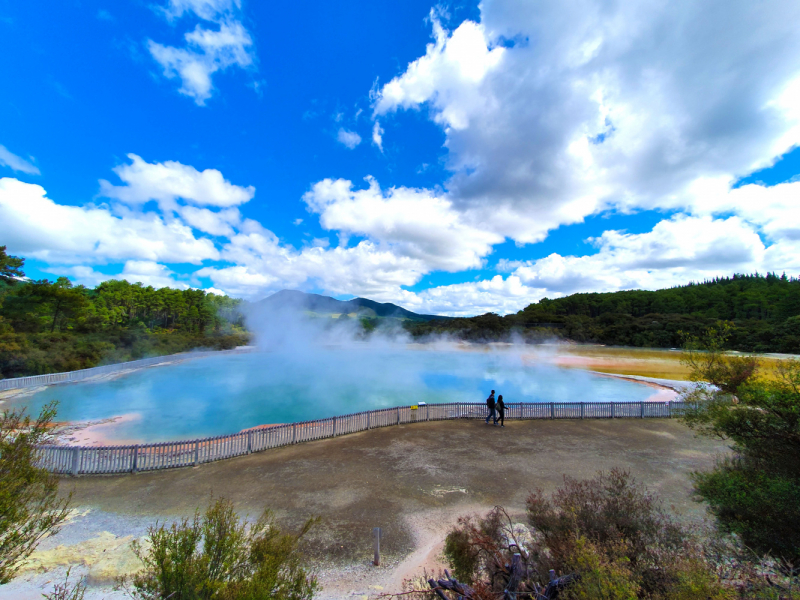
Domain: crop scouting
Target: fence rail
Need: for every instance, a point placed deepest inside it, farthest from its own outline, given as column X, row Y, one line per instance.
column 91, row 460
column 80, row 375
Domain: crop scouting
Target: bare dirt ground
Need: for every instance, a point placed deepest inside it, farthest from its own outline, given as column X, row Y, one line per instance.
column 413, row 481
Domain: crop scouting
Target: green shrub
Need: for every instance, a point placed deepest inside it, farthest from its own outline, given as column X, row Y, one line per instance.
column 461, row 554
column 605, row 574
column 756, row 492
column 219, row 556
column 30, row 507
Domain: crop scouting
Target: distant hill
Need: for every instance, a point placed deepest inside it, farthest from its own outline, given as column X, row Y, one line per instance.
column 764, row 310
column 325, row 305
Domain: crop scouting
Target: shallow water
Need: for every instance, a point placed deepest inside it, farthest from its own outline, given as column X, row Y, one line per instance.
column 227, row 393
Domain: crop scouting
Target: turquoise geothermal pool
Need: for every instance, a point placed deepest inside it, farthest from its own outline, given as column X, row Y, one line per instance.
column 227, row 393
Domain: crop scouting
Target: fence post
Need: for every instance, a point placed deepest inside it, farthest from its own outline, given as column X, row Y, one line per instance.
column 135, row 466
column 552, row 410
column 458, row 409
column 294, row 432
column 334, row 426
column 196, row 452
column 369, row 419
column 398, row 415
column 76, row 460
column 582, row 410
column 249, row 442
column 612, row 410
column 376, row 546
column 642, row 409
column 669, row 408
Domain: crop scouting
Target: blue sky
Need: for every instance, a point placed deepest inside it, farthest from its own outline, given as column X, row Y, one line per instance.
column 453, row 158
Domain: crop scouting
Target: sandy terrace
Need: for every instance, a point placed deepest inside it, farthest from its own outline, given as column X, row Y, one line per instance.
column 412, row 480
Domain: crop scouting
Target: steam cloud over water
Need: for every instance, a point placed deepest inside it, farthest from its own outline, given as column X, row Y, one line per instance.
column 310, row 368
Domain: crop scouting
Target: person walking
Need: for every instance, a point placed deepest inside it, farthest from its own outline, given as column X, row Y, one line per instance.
column 501, row 411
column 490, row 404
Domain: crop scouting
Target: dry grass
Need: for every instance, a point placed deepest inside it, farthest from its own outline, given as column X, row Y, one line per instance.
column 645, row 362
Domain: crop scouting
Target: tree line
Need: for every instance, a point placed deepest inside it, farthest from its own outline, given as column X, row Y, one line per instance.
column 763, row 309
column 53, row 326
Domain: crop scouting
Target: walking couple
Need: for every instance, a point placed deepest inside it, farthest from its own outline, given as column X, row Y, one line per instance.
column 497, row 409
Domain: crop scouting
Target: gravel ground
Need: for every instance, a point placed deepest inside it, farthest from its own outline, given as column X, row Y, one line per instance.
column 411, row 480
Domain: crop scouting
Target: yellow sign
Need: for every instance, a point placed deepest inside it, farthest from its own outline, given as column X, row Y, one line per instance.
column 415, row 407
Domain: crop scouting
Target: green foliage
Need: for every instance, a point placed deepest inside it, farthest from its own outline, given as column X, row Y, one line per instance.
column 605, row 573
column 30, row 507
column 368, row 325
column 761, row 506
column 461, row 554
column 10, row 266
column 48, row 327
column 764, row 311
column 756, row 492
column 219, row 556
column 706, row 357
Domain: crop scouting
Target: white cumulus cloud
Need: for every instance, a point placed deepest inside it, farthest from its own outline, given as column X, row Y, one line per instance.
column 34, row 225
column 166, row 182
column 553, row 112
column 220, row 223
column 413, row 223
column 448, row 75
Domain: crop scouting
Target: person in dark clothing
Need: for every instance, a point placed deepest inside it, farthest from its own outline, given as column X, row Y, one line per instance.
column 501, row 411
column 490, row 404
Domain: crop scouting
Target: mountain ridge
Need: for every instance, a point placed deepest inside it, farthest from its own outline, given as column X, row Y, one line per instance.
column 316, row 303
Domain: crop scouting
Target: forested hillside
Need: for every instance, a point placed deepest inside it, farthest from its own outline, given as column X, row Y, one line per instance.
column 48, row 327
column 765, row 312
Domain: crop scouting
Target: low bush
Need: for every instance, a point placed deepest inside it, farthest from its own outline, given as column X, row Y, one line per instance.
column 217, row 555
column 609, row 535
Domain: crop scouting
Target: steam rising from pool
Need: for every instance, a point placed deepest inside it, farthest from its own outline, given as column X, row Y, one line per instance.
column 306, row 369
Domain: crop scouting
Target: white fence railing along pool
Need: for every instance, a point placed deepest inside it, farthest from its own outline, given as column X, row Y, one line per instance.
column 95, row 460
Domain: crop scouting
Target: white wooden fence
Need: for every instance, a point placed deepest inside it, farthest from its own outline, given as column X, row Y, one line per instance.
column 76, row 460
column 71, row 376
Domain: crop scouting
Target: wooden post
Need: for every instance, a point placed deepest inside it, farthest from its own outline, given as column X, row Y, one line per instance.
column 134, row 466
column 376, row 546
column 612, row 410
column 369, row 420
column 642, row 408
column 552, row 410
column 76, row 460
column 516, row 576
column 294, row 432
column 398, row 415
column 334, row 426
column 249, row 442
column 196, row 452
column 669, row 408
column 427, row 412
column 582, row 410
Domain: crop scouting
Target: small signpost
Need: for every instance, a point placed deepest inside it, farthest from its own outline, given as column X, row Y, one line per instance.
column 376, row 546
